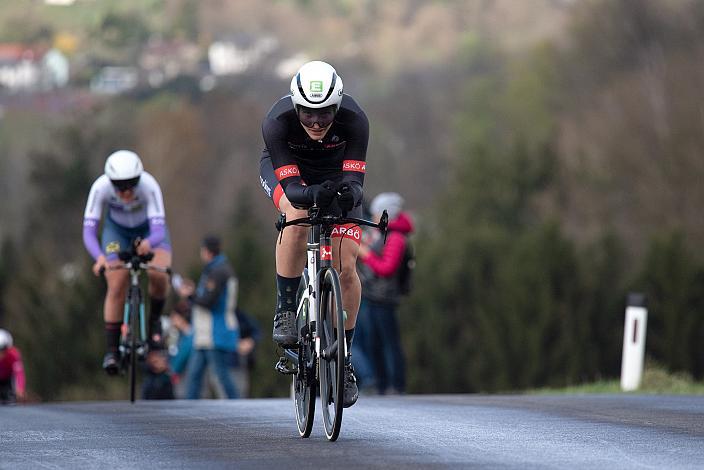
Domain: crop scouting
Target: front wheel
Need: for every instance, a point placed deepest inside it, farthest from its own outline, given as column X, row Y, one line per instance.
column 304, row 383
column 134, row 322
column 331, row 363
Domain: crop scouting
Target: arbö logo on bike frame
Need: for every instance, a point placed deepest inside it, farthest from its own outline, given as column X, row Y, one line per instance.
column 326, row 253
column 354, row 233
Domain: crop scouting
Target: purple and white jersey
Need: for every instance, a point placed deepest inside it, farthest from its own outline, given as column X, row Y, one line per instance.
column 147, row 205
column 148, row 202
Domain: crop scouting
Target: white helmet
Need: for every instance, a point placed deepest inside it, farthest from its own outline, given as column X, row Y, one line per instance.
column 5, row 339
column 123, row 165
column 316, row 85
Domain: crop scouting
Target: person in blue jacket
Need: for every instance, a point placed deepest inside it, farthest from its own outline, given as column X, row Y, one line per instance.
column 213, row 319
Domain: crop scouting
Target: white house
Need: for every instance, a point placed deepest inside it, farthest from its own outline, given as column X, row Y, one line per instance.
column 19, row 68
column 236, row 55
column 114, row 80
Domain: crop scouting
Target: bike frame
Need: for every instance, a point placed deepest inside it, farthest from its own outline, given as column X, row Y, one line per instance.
column 135, row 292
column 134, row 315
column 318, row 258
column 326, row 352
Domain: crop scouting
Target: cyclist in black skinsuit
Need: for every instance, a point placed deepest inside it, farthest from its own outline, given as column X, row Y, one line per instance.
column 316, row 141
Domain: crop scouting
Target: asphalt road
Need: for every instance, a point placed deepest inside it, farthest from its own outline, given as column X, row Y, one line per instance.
column 453, row 431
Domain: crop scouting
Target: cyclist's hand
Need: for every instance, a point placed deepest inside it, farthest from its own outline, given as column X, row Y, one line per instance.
column 345, row 198
column 100, row 264
column 144, row 247
column 245, row 346
column 322, row 194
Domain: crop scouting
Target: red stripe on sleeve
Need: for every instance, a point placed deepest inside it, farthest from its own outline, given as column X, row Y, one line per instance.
column 287, row 171
column 354, row 165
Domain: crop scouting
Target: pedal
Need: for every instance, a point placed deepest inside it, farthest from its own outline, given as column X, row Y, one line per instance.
column 285, row 367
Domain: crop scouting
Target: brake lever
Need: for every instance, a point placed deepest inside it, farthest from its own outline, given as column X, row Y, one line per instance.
column 384, row 224
column 281, row 223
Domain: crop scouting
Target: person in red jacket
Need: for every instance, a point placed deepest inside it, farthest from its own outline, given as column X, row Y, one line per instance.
column 12, row 381
column 380, row 268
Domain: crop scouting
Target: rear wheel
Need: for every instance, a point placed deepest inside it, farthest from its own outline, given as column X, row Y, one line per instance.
column 304, row 383
column 332, row 353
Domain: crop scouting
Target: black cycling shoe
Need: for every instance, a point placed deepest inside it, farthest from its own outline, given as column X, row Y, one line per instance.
column 285, row 328
column 111, row 363
column 351, row 392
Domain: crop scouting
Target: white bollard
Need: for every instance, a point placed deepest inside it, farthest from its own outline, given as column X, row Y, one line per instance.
column 633, row 343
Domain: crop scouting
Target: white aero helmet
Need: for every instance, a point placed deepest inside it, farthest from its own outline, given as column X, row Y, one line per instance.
column 123, row 165
column 5, row 339
column 316, row 85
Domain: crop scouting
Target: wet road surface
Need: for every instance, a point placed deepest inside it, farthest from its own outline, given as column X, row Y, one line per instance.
column 438, row 431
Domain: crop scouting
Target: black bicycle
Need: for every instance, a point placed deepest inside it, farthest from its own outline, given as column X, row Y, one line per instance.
column 319, row 356
column 133, row 335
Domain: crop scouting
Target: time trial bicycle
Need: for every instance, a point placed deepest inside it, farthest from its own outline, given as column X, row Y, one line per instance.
column 133, row 334
column 318, row 359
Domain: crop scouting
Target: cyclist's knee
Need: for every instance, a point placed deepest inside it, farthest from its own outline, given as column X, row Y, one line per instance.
column 116, row 293
column 158, row 282
column 117, row 283
column 295, row 234
column 161, row 258
column 348, row 274
column 291, row 212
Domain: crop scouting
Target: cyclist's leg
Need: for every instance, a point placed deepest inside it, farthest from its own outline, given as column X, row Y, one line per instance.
column 290, row 256
column 290, row 260
column 113, row 311
column 158, row 290
column 117, row 282
column 345, row 261
column 345, row 247
column 113, row 239
column 291, row 251
column 158, row 282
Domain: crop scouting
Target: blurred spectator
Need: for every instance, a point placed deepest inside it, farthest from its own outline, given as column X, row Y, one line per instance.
column 241, row 362
column 12, row 380
column 213, row 319
column 246, row 351
column 378, row 354
column 180, row 342
column 156, row 383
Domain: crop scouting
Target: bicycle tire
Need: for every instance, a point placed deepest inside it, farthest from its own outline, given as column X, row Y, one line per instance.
column 134, row 334
column 332, row 359
column 304, row 382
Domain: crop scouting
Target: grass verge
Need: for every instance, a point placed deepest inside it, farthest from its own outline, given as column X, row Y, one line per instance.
column 656, row 380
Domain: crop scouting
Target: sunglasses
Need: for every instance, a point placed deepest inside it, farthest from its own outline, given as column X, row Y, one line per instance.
column 310, row 116
column 124, row 185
